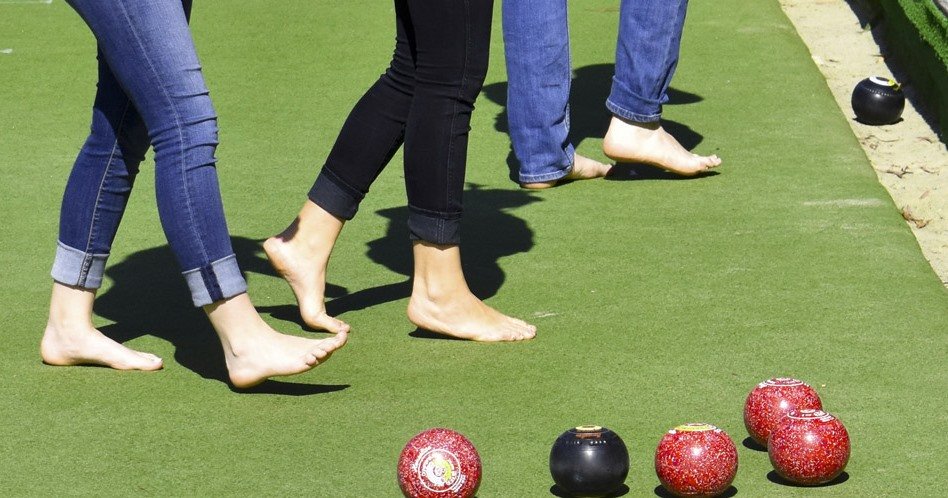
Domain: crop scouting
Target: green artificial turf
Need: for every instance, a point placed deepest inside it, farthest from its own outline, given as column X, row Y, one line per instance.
column 658, row 301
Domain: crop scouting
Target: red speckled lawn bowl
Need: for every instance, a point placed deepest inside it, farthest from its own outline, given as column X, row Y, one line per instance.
column 696, row 460
column 771, row 400
column 439, row 463
column 809, row 447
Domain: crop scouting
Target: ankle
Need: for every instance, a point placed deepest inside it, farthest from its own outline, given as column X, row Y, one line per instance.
column 234, row 318
column 438, row 274
column 440, row 286
column 305, row 242
column 68, row 320
column 639, row 125
column 316, row 224
column 70, row 307
column 432, row 291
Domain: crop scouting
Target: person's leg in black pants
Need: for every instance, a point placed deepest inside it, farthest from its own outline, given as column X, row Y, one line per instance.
column 424, row 102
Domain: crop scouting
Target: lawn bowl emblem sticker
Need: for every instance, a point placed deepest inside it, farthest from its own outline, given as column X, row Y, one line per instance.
column 439, row 470
column 694, row 427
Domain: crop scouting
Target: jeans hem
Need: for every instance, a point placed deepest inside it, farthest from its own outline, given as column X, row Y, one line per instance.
column 546, row 177
column 626, row 114
column 216, row 281
column 329, row 194
column 78, row 268
column 438, row 229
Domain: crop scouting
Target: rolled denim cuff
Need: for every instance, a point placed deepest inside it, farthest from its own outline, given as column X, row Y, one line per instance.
column 436, row 228
column 77, row 268
column 550, row 172
column 624, row 103
column 215, row 282
column 332, row 194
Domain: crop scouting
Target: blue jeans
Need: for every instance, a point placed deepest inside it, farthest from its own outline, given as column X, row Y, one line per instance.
column 536, row 45
column 151, row 92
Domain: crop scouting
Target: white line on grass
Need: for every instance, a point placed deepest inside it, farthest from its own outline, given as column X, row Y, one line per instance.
column 544, row 314
column 846, row 202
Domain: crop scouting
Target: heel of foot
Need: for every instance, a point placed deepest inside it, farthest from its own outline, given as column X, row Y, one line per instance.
column 539, row 185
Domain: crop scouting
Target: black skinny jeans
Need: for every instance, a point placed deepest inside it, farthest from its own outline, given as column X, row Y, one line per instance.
column 424, row 101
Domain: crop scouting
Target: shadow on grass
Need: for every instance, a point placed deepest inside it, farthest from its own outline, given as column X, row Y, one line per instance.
column 149, row 297
column 624, row 172
column 489, row 232
column 427, row 334
column 664, row 493
column 775, row 478
column 750, row 444
column 555, row 490
column 589, row 117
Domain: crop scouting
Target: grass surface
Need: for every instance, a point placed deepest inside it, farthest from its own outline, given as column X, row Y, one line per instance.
column 658, row 301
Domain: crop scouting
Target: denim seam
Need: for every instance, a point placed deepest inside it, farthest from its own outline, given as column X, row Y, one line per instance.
column 212, row 263
column 669, row 55
column 93, row 224
column 569, row 89
column 214, row 293
column 201, row 268
column 444, row 215
column 68, row 247
column 454, row 114
column 73, row 275
column 177, row 119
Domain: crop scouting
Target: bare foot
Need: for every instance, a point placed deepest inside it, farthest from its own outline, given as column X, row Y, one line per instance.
column 271, row 354
column 649, row 143
column 254, row 352
column 441, row 301
column 70, row 338
column 583, row 168
column 84, row 345
column 300, row 255
column 464, row 316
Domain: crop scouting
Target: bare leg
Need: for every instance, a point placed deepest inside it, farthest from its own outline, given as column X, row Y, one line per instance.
column 649, row 143
column 255, row 352
column 442, row 302
column 583, row 168
column 70, row 338
column 300, row 254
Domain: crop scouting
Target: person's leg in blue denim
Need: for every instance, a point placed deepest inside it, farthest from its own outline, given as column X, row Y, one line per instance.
column 537, row 55
column 537, row 49
column 423, row 101
column 537, row 52
column 163, row 76
column 646, row 57
column 151, row 93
